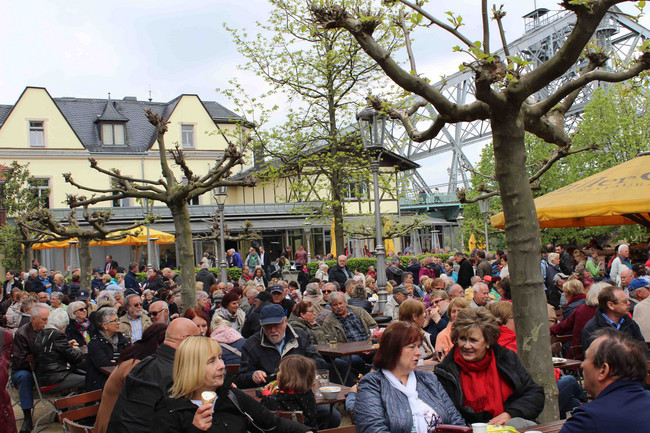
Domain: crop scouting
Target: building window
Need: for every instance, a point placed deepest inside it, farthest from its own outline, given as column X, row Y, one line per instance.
column 37, row 133
column 113, row 134
column 187, row 136
column 123, row 202
column 194, row 201
column 355, row 191
column 41, row 190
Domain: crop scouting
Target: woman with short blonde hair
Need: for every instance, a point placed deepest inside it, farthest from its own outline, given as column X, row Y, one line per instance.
column 201, row 398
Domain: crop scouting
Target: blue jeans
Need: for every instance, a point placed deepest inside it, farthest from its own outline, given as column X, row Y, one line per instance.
column 25, row 382
column 571, row 394
column 325, row 421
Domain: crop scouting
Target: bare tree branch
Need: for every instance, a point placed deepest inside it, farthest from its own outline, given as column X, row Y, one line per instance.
column 486, row 27
column 498, row 15
column 407, row 41
column 439, row 23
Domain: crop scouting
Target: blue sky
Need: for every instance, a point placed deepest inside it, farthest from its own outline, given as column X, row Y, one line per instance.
column 127, row 48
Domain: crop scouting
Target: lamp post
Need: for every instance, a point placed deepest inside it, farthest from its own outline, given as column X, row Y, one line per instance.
column 307, row 228
column 460, row 220
column 220, row 195
column 148, row 209
column 372, row 130
column 484, row 207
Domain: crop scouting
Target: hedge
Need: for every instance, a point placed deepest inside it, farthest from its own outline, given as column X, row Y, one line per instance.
column 234, row 273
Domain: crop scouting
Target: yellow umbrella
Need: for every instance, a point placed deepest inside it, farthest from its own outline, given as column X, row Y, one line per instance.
column 53, row 244
column 619, row 195
column 388, row 243
column 333, row 236
column 138, row 236
column 472, row 242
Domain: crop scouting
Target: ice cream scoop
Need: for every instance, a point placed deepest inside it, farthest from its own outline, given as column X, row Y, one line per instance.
column 208, row 397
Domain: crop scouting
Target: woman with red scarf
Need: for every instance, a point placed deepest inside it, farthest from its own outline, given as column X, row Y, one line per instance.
column 503, row 312
column 486, row 382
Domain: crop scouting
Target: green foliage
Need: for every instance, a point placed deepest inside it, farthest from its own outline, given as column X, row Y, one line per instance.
column 616, row 124
column 17, row 194
column 362, row 264
column 10, row 247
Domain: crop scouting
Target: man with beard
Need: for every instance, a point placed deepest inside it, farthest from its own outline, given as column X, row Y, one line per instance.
column 134, row 322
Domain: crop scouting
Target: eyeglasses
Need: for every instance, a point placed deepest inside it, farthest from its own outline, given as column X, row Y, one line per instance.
column 155, row 313
column 437, row 301
column 112, row 321
column 327, row 291
column 138, row 304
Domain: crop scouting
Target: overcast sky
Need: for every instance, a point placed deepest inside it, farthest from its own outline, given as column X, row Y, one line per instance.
column 169, row 47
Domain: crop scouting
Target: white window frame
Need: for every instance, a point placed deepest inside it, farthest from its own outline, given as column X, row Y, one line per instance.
column 184, row 143
column 113, row 125
column 42, row 130
column 355, row 191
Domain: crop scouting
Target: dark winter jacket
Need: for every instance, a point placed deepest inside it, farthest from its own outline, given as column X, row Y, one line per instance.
column 53, row 354
column 575, row 303
column 316, row 334
column 24, row 345
column 73, row 333
column 621, row 407
column 628, row 326
column 435, row 328
column 575, row 323
column 361, row 303
column 566, row 264
column 102, row 354
column 234, row 412
column 526, row 400
column 336, row 273
column 260, row 354
column 131, row 281
column 415, row 270
column 465, row 273
column 394, row 273
column 7, row 419
column 304, row 402
column 380, row 408
column 484, row 268
column 144, row 389
column 252, row 322
column 207, row 278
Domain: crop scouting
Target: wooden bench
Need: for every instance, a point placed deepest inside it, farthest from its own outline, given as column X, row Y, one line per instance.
column 76, row 407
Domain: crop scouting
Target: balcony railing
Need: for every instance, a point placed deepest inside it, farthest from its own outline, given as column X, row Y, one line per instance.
column 433, row 198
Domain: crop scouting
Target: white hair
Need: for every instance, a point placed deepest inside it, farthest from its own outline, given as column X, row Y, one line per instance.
column 73, row 307
column 38, row 306
column 105, row 296
column 201, row 295
column 57, row 295
column 58, row 319
column 476, row 287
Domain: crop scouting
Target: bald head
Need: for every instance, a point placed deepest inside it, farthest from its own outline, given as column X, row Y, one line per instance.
column 159, row 312
column 178, row 330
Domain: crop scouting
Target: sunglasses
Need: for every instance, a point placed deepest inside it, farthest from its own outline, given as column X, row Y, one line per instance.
column 81, row 309
column 327, row 291
column 154, row 313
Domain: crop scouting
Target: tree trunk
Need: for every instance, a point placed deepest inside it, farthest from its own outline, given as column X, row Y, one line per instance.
column 181, row 216
column 28, row 255
column 85, row 263
column 524, row 244
column 337, row 211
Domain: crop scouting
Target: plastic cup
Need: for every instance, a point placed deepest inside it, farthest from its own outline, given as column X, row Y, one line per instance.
column 479, row 427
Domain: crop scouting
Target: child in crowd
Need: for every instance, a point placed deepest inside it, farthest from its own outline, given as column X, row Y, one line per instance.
column 296, row 376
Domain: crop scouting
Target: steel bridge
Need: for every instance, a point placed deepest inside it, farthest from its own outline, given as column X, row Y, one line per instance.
column 545, row 32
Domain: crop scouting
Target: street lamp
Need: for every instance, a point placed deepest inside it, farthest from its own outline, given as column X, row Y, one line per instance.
column 460, row 220
column 484, row 207
column 307, row 229
column 372, row 129
column 220, row 195
column 147, row 208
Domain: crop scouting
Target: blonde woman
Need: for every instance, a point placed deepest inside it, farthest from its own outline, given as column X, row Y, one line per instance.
column 198, row 368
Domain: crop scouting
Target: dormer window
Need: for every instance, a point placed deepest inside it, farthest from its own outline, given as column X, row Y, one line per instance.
column 113, row 134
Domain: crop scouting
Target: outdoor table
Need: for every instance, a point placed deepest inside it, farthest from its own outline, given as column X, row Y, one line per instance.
column 107, row 370
column 341, row 350
column 570, row 364
column 549, row 427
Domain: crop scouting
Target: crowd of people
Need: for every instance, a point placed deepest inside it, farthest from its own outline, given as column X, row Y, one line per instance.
column 456, row 315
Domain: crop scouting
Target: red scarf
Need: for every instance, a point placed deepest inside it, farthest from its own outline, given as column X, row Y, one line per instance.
column 483, row 388
column 508, row 339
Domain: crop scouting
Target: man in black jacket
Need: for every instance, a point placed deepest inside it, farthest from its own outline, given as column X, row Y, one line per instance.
column 252, row 323
column 24, row 346
column 466, row 271
column 340, row 271
column 149, row 382
column 566, row 264
column 263, row 351
column 131, row 283
column 206, row 277
column 612, row 312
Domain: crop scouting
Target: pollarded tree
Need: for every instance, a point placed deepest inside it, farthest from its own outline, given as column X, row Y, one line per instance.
column 43, row 222
column 323, row 75
column 169, row 190
column 503, row 96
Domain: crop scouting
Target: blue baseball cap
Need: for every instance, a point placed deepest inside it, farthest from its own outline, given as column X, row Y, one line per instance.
column 273, row 313
column 637, row 283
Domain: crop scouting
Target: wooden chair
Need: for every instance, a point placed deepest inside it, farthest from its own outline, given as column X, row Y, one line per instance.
column 343, row 429
column 576, row 352
column 73, row 427
column 78, row 406
column 295, row 416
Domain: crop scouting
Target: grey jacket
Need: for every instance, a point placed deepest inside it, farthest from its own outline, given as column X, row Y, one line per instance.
column 380, row 408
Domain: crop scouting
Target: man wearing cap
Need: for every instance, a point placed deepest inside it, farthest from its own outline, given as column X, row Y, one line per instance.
column 400, row 294
column 639, row 290
column 263, row 351
column 642, row 309
column 278, row 294
column 96, row 283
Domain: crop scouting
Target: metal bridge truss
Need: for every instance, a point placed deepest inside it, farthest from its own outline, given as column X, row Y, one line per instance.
column 545, row 33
